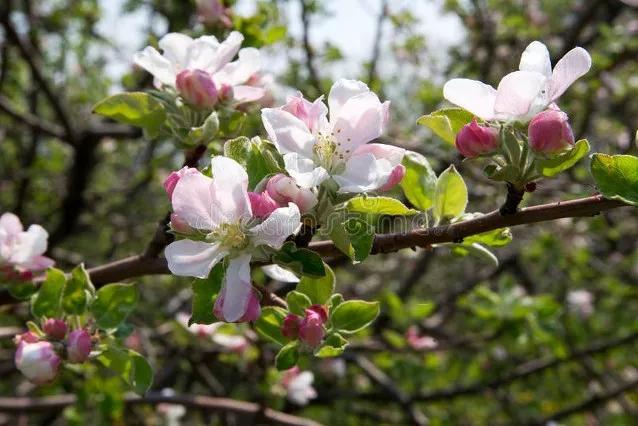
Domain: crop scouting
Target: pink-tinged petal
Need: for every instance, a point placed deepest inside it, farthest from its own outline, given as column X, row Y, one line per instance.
column 240, row 71
column 304, row 171
column 359, row 120
column 29, row 244
column 161, row 68
column 471, row 95
column 280, row 274
column 305, row 199
column 171, row 180
column 313, row 114
column 287, row 132
column 188, row 258
column 261, row 204
column 38, row 263
column 395, row 178
column 386, row 113
column 230, row 183
column 536, row 58
column 273, row 231
column 175, row 46
column 226, row 51
column 363, row 173
column 571, row 67
column 237, row 290
column 341, row 91
column 193, row 201
column 10, row 225
column 393, row 154
column 520, row 94
column 243, row 94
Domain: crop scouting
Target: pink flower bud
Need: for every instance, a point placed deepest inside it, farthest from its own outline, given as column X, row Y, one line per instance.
column 55, row 328
column 197, row 88
column 395, row 178
column 171, row 181
column 28, row 337
column 311, row 330
column 306, row 200
column 226, row 92
column 319, row 309
column 253, row 308
column 37, row 361
column 418, row 342
column 262, row 204
column 474, row 140
column 78, row 346
column 550, row 133
column 284, row 190
column 290, row 327
column 213, row 11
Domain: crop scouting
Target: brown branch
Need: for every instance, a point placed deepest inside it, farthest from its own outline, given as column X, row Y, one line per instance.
column 310, row 55
column 376, row 49
column 206, row 403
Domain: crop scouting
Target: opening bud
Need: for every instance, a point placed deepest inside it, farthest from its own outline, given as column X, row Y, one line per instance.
column 197, row 88
column 38, row 361
column 55, row 328
column 474, row 140
column 78, row 346
column 550, row 133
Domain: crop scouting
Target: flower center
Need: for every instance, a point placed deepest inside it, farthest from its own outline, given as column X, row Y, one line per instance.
column 328, row 151
column 229, row 235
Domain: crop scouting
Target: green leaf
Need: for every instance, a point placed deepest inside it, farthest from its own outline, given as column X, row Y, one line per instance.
column 137, row 108
column 495, row 238
column 379, row 205
column 132, row 367
column 22, row 290
column 204, row 292
column 354, row 315
column 507, row 173
column 255, row 155
column 77, row 291
column 334, row 345
column 616, row 176
column 299, row 260
column 419, row 182
column 318, row 290
column 475, row 249
column 297, row 302
column 334, row 301
column 354, row 237
column 450, row 197
column 269, row 324
column 48, row 301
column 446, row 123
column 205, row 133
column 552, row 166
column 287, row 356
column 112, row 305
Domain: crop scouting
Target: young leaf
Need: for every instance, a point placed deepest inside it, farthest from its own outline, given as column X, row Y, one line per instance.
column 204, row 133
column 132, row 367
column 450, row 197
column 137, row 108
column 269, row 324
column 297, row 302
column 299, row 260
column 354, row 315
column 318, row 290
column 22, row 290
column 476, row 249
column 204, row 292
column 112, row 304
column 334, row 345
column 419, row 182
column 76, row 291
column 287, row 356
column 446, row 123
column 552, row 166
column 496, row 238
column 616, row 176
column 254, row 156
column 48, row 301
column 379, row 205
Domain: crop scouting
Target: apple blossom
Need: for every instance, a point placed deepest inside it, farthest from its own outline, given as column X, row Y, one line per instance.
column 174, row 177
column 78, row 346
column 205, row 54
column 581, row 302
column 521, row 94
column 474, row 140
column 219, row 208
column 550, row 133
column 21, row 252
column 197, row 88
column 418, row 342
column 298, row 386
column 311, row 329
column 316, row 149
column 233, row 342
column 55, row 328
column 284, row 190
column 212, row 12
column 38, row 361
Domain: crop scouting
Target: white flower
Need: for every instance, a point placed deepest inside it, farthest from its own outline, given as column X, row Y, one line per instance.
column 298, row 386
column 22, row 249
column 206, row 53
column 521, row 94
column 219, row 209
column 581, row 301
column 315, row 148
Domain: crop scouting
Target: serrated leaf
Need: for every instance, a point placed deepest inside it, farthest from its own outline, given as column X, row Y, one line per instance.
column 297, row 302
column 552, row 166
column 379, row 205
column 419, row 182
column 299, row 260
column 318, row 290
column 353, row 315
column 112, row 304
column 616, row 176
column 450, row 197
column 446, row 123
column 136, row 108
column 269, row 324
column 287, row 356
column 204, row 292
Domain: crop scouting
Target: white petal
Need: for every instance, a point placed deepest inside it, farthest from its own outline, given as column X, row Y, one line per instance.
column 161, row 68
column 201, row 55
column 238, row 72
column 363, row 173
column 194, row 201
column 29, row 244
column 393, row 154
column 10, row 224
column 360, row 120
column 230, row 183
column 175, row 47
column 188, row 258
column 536, row 58
column 243, row 94
column 304, row 171
column 280, row 274
column 273, row 231
column 237, row 288
column 287, row 132
column 572, row 66
column 520, row 94
column 341, row 91
column 472, row 95
column 226, row 51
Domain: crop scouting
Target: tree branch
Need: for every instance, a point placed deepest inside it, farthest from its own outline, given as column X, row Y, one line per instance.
column 31, row 121
column 313, row 76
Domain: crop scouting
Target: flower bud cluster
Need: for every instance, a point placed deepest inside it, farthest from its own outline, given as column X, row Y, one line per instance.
column 309, row 329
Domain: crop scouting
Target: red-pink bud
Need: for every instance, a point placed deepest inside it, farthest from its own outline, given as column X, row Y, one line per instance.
column 319, row 309
column 474, row 140
column 290, row 327
column 213, row 11
column 550, row 133
column 284, row 190
column 395, row 178
column 78, row 346
column 197, row 88
column 55, row 328
column 38, row 361
column 262, row 204
column 28, row 337
column 311, row 330
column 171, row 180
